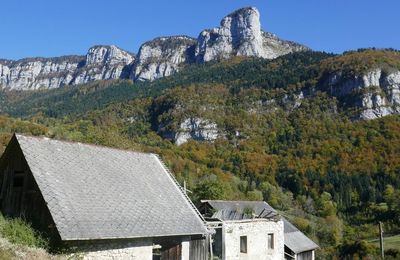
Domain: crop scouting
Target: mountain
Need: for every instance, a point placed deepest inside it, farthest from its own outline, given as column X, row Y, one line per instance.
column 365, row 83
column 239, row 34
column 290, row 130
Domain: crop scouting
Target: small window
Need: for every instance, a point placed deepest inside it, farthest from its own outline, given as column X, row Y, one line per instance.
column 18, row 181
column 243, row 244
column 271, row 241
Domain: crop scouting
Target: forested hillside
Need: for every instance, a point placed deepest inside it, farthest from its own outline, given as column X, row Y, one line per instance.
column 281, row 135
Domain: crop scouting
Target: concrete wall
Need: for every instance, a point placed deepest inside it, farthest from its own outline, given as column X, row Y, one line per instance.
column 257, row 231
column 138, row 250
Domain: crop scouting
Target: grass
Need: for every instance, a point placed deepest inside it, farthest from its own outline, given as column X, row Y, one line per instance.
column 392, row 242
column 18, row 232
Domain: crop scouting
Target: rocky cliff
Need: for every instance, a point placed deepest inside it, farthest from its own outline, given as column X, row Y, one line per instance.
column 240, row 34
column 100, row 63
column 375, row 93
column 162, row 57
column 193, row 128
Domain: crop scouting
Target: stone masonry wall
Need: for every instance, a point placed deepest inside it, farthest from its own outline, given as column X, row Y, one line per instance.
column 257, row 239
column 125, row 249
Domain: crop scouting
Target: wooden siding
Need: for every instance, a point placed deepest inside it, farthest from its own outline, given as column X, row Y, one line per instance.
column 199, row 249
column 308, row 255
column 173, row 253
column 19, row 194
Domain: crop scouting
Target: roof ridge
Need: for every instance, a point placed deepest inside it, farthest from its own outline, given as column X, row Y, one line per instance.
column 235, row 201
column 81, row 143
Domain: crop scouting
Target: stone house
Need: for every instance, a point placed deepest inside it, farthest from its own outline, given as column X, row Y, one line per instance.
column 107, row 203
column 254, row 230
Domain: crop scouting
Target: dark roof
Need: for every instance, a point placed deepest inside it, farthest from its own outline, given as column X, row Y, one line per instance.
column 240, row 210
column 234, row 210
column 96, row 192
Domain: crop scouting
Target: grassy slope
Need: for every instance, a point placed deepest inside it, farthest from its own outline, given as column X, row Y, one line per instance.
column 390, row 242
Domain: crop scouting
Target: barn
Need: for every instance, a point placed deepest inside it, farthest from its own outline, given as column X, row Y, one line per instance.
column 106, row 203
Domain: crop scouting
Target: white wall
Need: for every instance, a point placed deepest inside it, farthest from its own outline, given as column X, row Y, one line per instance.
column 257, row 239
column 185, row 250
column 138, row 250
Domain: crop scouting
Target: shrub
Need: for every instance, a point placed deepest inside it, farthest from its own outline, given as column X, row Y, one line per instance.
column 392, row 253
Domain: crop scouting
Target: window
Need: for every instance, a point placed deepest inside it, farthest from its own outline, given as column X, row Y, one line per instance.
column 271, row 241
column 18, row 181
column 243, row 244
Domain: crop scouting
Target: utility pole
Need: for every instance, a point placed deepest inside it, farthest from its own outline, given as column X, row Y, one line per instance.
column 381, row 240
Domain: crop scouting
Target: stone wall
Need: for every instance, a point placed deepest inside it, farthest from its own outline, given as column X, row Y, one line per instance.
column 257, row 231
column 124, row 249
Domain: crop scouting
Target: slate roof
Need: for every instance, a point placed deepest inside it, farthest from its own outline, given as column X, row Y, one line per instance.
column 294, row 238
column 95, row 192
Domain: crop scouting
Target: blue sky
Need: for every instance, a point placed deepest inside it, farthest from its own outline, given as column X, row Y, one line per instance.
column 31, row 28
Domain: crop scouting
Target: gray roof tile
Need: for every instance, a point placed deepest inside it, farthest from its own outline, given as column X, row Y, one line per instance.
column 96, row 192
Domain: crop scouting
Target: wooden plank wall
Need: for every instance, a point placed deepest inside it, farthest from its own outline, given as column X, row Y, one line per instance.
column 199, row 249
column 173, row 253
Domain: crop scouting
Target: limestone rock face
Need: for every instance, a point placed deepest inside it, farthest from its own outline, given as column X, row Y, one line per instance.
column 111, row 55
column 162, row 57
column 100, row 63
column 193, row 128
column 376, row 93
column 240, row 34
column 36, row 73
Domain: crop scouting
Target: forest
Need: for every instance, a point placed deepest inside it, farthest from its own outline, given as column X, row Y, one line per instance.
column 334, row 177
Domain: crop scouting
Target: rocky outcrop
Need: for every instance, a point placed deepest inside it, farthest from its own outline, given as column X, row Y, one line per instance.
column 240, row 34
column 162, row 57
column 108, row 54
column 36, row 73
column 376, row 93
column 198, row 129
column 100, row 63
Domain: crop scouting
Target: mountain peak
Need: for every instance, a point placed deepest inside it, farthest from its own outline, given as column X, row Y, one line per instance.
column 240, row 34
column 244, row 10
column 108, row 54
column 242, row 13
